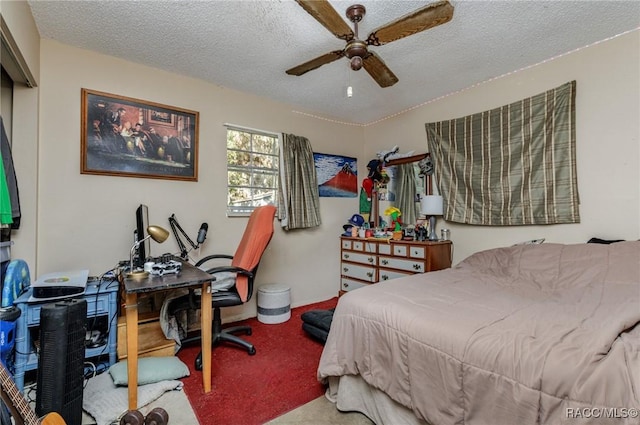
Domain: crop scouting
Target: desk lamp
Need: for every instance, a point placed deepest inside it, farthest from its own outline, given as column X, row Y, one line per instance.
column 431, row 206
column 156, row 233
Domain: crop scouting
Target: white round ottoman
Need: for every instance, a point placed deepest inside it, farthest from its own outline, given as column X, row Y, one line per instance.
column 274, row 303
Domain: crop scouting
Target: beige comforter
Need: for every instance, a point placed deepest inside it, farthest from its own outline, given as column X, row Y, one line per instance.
column 535, row 334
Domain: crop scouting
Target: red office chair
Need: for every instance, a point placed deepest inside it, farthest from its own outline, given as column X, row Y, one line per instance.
column 234, row 283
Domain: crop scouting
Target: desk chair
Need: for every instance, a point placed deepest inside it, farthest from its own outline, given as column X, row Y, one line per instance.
column 234, row 283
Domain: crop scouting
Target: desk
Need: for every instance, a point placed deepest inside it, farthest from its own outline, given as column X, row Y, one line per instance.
column 189, row 276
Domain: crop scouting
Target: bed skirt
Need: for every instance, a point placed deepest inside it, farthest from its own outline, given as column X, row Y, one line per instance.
column 350, row 393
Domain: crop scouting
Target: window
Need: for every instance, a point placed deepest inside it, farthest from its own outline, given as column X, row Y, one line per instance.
column 252, row 169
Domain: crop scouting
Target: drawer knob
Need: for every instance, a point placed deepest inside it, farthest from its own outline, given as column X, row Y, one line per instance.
column 345, row 269
column 385, row 262
column 346, row 285
column 369, row 274
column 370, row 259
column 385, row 277
column 416, row 266
column 346, row 256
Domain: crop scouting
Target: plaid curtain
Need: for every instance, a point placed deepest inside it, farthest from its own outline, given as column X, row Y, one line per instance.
column 512, row 165
column 298, row 200
column 406, row 193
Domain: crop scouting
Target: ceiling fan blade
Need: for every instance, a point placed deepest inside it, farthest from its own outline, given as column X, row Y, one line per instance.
column 420, row 20
column 378, row 70
column 327, row 16
column 316, row 63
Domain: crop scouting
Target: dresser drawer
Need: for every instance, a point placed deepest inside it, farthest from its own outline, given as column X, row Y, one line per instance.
column 350, row 285
column 386, row 274
column 364, row 246
column 358, row 272
column 384, row 248
column 401, row 264
column 417, row 251
column 400, row 250
column 359, row 258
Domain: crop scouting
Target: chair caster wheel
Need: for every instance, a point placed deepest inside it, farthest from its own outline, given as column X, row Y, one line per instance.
column 252, row 351
column 198, row 363
column 157, row 416
column 132, row 417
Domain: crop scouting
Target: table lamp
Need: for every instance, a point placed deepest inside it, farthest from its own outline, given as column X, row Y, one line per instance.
column 158, row 234
column 431, row 206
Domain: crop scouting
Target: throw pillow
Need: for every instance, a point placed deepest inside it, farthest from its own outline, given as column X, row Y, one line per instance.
column 150, row 370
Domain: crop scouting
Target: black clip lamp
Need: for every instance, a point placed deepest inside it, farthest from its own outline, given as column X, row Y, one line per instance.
column 158, row 234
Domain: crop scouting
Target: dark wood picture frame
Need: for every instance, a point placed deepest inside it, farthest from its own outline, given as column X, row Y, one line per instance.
column 123, row 136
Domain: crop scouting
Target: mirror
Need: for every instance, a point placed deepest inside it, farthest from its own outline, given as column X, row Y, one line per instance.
column 406, row 187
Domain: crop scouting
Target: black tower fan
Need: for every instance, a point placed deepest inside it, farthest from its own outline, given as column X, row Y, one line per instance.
column 61, row 362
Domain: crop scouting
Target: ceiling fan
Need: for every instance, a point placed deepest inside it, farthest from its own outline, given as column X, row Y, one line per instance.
column 357, row 50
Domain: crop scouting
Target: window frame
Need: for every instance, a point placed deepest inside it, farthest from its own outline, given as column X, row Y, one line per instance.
column 245, row 211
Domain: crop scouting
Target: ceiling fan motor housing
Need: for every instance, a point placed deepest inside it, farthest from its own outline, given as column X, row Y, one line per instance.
column 356, row 50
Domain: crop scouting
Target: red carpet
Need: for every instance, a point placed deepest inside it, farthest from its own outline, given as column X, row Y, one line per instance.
column 251, row 390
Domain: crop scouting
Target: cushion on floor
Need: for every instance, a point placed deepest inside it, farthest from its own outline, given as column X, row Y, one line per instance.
column 317, row 323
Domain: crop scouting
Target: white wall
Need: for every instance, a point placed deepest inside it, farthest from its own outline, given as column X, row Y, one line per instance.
column 87, row 220
column 22, row 27
column 72, row 209
column 607, row 133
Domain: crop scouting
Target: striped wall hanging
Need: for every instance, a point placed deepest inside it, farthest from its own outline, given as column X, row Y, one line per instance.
column 513, row 165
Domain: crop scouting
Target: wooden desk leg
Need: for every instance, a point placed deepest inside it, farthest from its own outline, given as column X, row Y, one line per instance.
column 131, row 308
column 205, row 331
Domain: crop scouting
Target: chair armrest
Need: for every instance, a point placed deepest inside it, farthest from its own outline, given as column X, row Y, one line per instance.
column 233, row 269
column 213, row 257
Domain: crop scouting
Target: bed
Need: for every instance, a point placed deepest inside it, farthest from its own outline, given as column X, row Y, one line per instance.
column 531, row 334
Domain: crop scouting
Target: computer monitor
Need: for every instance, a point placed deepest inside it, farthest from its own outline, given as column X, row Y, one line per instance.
column 142, row 222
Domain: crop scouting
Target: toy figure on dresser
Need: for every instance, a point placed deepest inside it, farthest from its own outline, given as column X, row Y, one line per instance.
column 353, row 225
column 409, row 233
column 396, row 222
column 422, row 234
column 375, row 176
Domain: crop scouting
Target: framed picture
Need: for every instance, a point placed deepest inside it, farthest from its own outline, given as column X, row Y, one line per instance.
column 122, row 136
column 337, row 175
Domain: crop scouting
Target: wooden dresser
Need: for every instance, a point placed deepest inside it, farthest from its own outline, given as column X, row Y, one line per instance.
column 367, row 261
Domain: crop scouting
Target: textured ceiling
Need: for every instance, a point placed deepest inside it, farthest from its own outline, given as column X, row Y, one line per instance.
column 247, row 45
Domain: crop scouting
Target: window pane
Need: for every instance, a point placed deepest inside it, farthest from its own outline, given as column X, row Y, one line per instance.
column 265, row 144
column 238, row 140
column 265, row 180
column 238, row 178
column 238, row 195
column 238, row 157
column 264, row 196
column 265, row 161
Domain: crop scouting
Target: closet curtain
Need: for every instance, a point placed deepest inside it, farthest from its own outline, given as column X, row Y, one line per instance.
column 10, row 214
column 298, row 200
column 513, row 165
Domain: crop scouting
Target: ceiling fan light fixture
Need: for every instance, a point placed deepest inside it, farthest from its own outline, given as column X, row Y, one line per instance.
column 356, row 63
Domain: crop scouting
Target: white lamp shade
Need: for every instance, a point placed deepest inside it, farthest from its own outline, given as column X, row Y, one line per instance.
column 431, row 205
